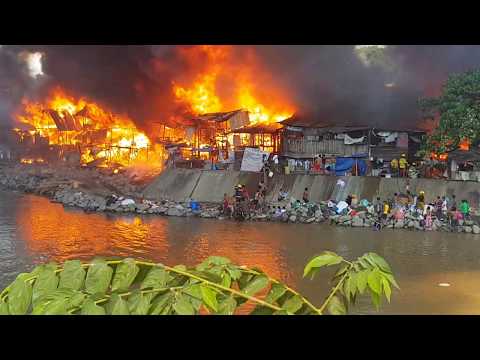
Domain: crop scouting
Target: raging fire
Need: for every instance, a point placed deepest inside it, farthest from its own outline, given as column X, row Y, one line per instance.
column 226, row 83
column 84, row 126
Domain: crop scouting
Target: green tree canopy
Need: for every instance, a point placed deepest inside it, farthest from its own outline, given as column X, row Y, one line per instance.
column 459, row 111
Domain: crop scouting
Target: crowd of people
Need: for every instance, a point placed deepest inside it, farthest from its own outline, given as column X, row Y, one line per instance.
column 397, row 208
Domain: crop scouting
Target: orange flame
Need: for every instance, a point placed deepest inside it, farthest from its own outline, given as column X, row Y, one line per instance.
column 226, row 83
column 122, row 141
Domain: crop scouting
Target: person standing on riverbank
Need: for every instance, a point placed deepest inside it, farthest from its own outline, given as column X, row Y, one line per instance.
column 465, row 209
column 394, row 167
column 305, row 196
column 403, row 164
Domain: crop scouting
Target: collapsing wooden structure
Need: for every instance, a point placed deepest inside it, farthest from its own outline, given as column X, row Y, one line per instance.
column 83, row 138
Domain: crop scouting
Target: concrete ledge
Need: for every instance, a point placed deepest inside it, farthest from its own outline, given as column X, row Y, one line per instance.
column 209, row 186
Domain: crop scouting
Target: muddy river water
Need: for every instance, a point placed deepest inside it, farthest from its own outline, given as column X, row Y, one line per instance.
column 34, row 230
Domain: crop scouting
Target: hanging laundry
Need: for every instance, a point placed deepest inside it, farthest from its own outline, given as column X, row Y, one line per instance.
column 350, row 141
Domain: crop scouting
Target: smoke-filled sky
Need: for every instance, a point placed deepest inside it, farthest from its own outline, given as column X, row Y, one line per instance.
column 333, row 83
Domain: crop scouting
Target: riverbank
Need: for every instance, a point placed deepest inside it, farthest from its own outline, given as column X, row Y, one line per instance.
column 95, row 190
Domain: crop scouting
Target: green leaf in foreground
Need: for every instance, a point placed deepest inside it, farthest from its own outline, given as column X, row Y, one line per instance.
column 336, row 306
column 209, row 297
column 138, row 303
column 46, row 282
column 161, row 304
column 3, row 308
column 327, row 258
column 375, row 281
column 72, row 276
column 98, row 277
column 276, row 291
column 362, row 278
column 90, row 308
column 118, row 306
column 182, row 306
column 20, row 295
column 125, row 274
column 156, row 278
column 255, row 285
column 227, row 306
column 293, row 304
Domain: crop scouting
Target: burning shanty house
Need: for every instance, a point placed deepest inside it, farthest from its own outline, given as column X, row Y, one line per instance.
column 309, row 145
column 64, row 129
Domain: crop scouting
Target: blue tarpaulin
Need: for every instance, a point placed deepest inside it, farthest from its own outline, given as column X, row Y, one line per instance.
column 345, row 164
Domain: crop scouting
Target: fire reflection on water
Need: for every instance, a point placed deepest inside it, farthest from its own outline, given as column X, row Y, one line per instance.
column 43, row 231
column 50, row 230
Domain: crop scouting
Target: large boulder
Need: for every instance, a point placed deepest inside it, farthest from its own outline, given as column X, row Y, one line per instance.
column 468, row 229
column 399, row 224
column 175, row 211
column 476, row 229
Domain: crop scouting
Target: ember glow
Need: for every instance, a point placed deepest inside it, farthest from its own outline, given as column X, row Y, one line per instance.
column 85, row 125
column 226, row 84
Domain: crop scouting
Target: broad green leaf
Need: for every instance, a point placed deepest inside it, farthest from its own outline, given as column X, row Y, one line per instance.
column 293, row 304
column 118, row 306
column 351, row 284
column 257, row 284
column 381, row 263
column 160, row 303
column 138, row 303
column 208, row 275
column 375, row 299
column 182, row 306
column 391, row 279
column 90, row 308
column 98, row 277
column 327, row 258
column 46, row 282
column 209, row 297
column 375, row 281
column 244, row 280
column 276, row 291
column 125, row 274
column 72, row 276
column 366, row 265
column 3, row 308
column 194, row 291
column 336, row 306
column 156, row 278
column 226, row 280
column 262, row 310
column 53, row 307
column 234, row 272
column 281, row 312
column 362, row 278
column 386, row 288
column 227, row 306
column 20, row 295
column 58, row 302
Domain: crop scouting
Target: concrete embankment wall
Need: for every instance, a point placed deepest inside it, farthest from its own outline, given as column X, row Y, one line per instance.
column 209, row 186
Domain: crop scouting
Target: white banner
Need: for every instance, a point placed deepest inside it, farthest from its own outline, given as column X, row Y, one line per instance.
column 253, row 160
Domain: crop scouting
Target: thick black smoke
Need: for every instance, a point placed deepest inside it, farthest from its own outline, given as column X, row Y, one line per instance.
column 328, row 82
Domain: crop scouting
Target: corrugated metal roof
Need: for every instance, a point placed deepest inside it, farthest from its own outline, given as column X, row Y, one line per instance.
column 218, row 117
column 259, row 129
column 311, row 122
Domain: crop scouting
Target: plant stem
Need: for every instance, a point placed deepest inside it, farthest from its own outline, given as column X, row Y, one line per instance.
column 230, row 290
column 332, row 293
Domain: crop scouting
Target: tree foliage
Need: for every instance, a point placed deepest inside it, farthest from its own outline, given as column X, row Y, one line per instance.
column 216, row 286
column 459, row 111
